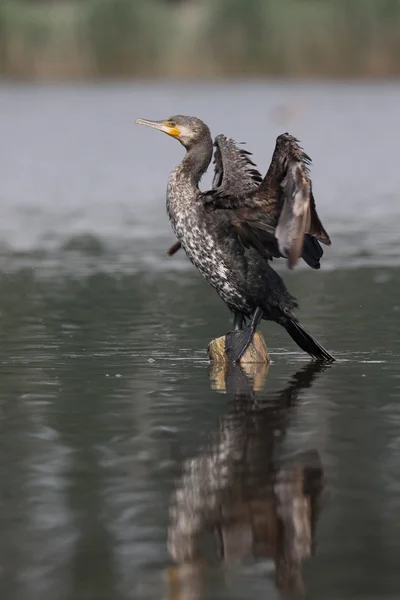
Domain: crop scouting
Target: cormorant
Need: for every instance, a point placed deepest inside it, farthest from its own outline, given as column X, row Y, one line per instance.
column 231, row 232
column 262, row 200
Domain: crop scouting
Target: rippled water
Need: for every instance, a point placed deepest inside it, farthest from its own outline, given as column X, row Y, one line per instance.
column 128, row 467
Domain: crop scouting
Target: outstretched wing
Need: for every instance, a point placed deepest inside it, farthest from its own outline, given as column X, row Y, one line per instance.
column 280, row 217
column 287, row 191
column 235, row 174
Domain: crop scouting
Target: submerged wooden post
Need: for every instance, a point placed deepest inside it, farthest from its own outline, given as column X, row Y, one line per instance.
column 254, row 363
column 256, row 353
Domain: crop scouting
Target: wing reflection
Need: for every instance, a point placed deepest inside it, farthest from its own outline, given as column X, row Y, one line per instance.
column 255, row 503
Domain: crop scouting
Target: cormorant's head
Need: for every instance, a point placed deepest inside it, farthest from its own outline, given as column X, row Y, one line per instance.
column 188, row 130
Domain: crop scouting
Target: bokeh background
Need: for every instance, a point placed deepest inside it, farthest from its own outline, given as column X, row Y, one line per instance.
column 111, row 422
column 62, row 39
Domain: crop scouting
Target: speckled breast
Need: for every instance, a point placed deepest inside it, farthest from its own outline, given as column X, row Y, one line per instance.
column 206, row 253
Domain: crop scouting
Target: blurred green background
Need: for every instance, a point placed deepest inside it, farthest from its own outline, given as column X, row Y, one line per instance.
column 80, row 39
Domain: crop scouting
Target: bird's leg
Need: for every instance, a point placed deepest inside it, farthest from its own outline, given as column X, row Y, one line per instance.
column 256, row 319
column 238, row 340
column 238, row 320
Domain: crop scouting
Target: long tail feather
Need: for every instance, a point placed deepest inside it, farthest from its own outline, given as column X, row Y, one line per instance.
column 306, row 342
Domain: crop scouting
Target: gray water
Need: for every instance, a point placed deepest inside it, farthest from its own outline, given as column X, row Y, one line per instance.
column 128, row 467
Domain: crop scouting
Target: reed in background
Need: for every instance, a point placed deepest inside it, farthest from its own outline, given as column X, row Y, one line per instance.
column 80, row 39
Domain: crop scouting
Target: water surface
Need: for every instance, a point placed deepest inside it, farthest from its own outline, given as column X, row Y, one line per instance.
column 128, row 468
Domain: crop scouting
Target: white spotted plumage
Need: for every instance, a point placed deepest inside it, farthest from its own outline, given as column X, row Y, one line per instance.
column 188, row 220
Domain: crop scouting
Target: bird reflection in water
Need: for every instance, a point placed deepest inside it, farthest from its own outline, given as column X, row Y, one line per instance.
column 255, row 503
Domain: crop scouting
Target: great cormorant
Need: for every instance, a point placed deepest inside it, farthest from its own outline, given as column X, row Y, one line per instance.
column 232, row 231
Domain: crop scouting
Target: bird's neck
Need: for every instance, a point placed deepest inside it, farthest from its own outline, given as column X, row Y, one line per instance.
column 197, row 160
column 183, row 186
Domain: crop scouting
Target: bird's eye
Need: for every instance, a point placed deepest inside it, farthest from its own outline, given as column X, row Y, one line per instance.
column 172, row 123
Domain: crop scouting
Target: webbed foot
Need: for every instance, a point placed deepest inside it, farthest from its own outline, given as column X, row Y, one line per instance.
column 238, row 340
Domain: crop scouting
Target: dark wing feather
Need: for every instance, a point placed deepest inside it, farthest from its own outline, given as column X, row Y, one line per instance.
column 312, row 251
column 255, row 234
column 254, row 229
column 294, row 218
column 235, row 174
column 275, row 215
column 287, row 191
column 316, row 228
